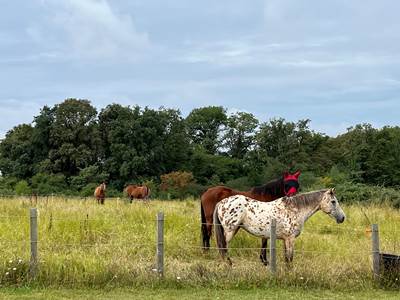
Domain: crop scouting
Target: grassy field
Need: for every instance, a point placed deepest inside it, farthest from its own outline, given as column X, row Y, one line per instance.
column 195, row 293
column 86, row 246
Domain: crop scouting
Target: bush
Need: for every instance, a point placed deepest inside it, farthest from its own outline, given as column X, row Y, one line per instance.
column 7, row 185
column 22, row 188
column 175, row 184
column 358, row 192
column 154, row 192
column 88, row 190
column 45, row 184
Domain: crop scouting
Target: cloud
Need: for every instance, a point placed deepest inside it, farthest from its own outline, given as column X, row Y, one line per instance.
column 90, row 29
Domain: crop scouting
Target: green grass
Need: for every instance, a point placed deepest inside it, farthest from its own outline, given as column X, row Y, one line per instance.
column 194, row 293
column 86, row 246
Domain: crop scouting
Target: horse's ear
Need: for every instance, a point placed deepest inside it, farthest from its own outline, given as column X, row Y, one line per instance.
column 297, row 174
column 333, row 191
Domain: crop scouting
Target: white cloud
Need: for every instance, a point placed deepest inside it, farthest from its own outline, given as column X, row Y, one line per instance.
column 92, row 29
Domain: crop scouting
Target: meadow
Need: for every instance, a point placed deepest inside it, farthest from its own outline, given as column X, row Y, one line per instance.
column 85, row 245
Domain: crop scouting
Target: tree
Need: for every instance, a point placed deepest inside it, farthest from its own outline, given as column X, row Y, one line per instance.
column 17, row 152
column 205, row 125
column 41, row 134
column 382, row 165
column 74, row 137
column 239, row 136
column 119, row 130
column 142, row 143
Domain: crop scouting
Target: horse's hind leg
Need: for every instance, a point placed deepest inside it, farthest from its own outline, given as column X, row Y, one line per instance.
column 209, row 227
column 228, row 236
column 263, row 253
column 289, row 249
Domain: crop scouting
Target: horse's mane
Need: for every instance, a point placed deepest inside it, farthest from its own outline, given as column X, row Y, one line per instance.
column 273, row 187
column 305, row 199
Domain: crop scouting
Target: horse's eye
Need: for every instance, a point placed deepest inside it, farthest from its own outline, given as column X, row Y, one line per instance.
column 333, row 202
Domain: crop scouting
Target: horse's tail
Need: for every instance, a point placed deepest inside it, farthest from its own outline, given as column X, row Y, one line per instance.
column 219, row 233
column 204, row 231
column 147, row 192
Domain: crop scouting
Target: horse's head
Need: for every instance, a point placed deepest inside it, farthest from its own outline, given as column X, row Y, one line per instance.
column 330, row 206
column 291, row 183
column 103, row 186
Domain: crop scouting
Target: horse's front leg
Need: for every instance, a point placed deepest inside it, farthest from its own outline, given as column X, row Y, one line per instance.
column 263, row 253
column 289, row 249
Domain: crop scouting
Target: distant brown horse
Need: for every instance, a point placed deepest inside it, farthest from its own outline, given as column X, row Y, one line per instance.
column 287, row 185
column 100, row 193
column 134, row 191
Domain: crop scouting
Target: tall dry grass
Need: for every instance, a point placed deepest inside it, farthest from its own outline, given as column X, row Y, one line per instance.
column 82, row 244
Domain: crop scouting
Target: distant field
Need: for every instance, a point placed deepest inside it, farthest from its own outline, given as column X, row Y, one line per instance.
column 83, row 245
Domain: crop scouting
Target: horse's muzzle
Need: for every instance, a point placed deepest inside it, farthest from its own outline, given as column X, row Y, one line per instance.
column 340, row 219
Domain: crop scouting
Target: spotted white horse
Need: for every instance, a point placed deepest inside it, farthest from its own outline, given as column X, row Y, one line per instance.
column 255, row 217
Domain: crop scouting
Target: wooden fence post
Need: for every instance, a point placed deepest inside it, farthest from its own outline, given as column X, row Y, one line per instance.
column 272, row 247
column 33, row 266
column 375, row 251
column 160, row 243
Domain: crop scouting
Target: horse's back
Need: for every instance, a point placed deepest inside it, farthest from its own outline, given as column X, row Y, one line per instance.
column 216, row 194
column 138, row 192
column 254, row 216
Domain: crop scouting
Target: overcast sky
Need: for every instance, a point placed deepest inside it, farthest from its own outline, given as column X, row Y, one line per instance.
column 335, row 62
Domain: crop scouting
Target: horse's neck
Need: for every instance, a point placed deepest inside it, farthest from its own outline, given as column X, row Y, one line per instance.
column 272, row 191
column 306, row 212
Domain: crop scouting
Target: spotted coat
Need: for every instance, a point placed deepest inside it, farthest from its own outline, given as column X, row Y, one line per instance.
column 255, row 216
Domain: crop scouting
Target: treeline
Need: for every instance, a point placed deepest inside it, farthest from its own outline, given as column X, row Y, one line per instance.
column 71, row 147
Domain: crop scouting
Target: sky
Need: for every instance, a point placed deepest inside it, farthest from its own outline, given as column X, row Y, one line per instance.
column 335, row 62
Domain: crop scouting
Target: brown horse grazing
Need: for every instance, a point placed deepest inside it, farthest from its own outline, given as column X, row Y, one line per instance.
column 287, row 185
column 134, row 191
column 99, row 193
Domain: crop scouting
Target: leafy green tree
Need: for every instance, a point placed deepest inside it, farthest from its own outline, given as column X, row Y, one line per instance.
column 120, row 134
column 74, row 137
column 240, row 133
column 205, row 126
column 211, row 169
column 17, row 152
column 142, row 143
column 382, row 165
column 292, row 144
column 354, row 148
column 41, row 135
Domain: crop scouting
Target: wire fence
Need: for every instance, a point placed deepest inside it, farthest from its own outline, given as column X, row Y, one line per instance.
column 104, row 239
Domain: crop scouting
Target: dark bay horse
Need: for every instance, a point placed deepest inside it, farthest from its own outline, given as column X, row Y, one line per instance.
column 255, row 217
column 287, row 185
column 100, row 193
column 134, row 191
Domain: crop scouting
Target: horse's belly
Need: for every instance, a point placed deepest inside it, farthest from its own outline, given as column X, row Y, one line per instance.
column 258, row 227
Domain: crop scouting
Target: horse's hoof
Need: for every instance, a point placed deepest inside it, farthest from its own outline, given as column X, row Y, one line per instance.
column 229, row 261
column 264, row 261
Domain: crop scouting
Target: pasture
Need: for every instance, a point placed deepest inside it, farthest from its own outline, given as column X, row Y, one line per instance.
column 85, row 245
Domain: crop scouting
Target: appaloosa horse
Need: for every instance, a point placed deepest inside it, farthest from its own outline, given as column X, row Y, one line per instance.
column 137, row 192
column 100, row 193
column 255, row 217
column 287, row 185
